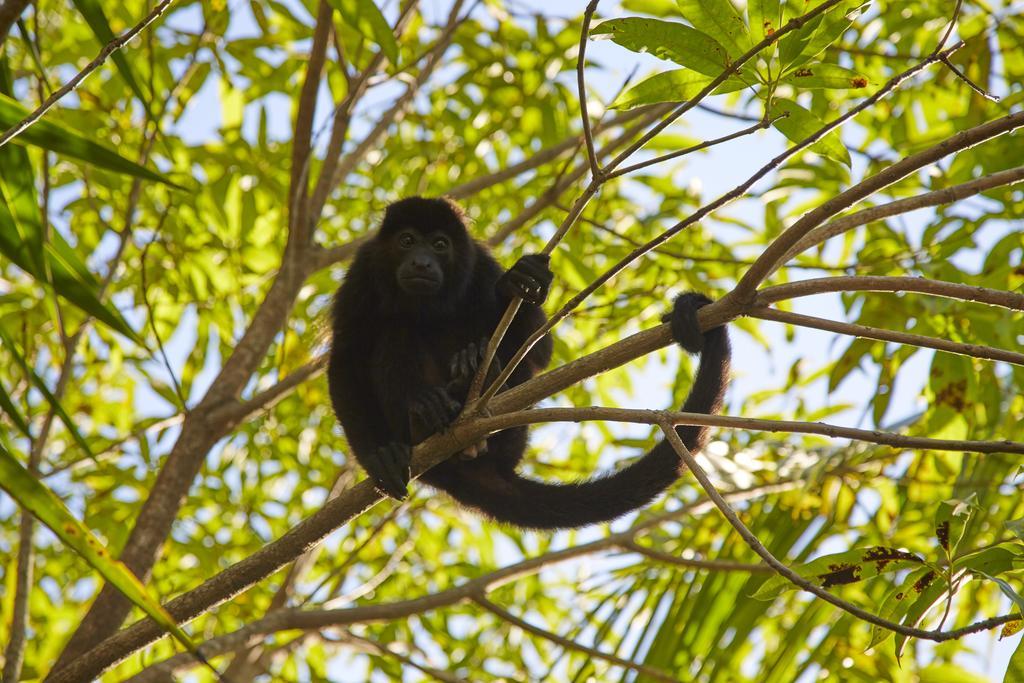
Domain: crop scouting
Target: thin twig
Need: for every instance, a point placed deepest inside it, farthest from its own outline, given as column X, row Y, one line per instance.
column 760, row 125
column 801, row 582
column 568, row 643
column 105, row 52
column 865, row 332
column 946, row 195
column 581, row 84
column 880, row 283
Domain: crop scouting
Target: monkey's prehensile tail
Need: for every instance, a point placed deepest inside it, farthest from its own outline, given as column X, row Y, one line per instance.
column 504, row 495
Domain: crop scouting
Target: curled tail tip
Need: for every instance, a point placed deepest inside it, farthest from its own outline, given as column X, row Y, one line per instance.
column 685, row 326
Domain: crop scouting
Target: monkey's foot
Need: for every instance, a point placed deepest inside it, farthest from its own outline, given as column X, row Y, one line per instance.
column 528, row 279
column 431, row 412
column 391, row 470
column 465, row 364
column 473, row 452
column 683, row 321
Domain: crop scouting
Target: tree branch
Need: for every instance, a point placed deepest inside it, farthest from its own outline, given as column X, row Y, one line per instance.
column 799, row 581
column 879, row 283
column 947, row 195
column 98, row 61
column 855, row 330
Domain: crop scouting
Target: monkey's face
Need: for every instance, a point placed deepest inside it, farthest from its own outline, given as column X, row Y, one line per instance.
column 423, row 259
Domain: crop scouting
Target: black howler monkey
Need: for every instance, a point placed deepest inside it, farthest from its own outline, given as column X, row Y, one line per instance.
column 411, row 321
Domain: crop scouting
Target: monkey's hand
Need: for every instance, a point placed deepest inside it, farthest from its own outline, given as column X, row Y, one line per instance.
column 390, row 470
column 431, row 412
column 528, row 279
column 683, row 321
column 465, row 364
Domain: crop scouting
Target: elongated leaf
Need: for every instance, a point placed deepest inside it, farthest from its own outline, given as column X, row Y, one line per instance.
column 1015, row 671
column 667, row 40
column 842, row 569
column 58, row 409
column 801, row 124
column 765, row 17
column 61, row 268
column 62, row 140
column 48, row 509
column 365, row 17
column 809, row 40
column 659, row 8
column 899, row 600
column 12, row 412
column 825, row 76
column 720, row 20
column 671, row 86
column 951, row 519
column 92, row 11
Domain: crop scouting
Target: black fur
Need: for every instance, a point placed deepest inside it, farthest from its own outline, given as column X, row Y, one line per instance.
column 404, row 351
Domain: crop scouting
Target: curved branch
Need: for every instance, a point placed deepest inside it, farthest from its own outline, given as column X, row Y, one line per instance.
column 880, row 283
column 771, row 258
column 799, row 581
column 853, row 329
column 106, row 51
column 581, row 84
column 946, row 195
column 144, row 632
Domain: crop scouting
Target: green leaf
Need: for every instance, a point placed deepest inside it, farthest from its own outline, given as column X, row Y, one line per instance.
column 951, row 519
column 62, row 140
column 671, row 86
column 801, row 124
column 366, row 18
column 901, row 598
column 92, row 11
column 667, row 40
column 659, row 8
column 61, row 268
column 821, row 75
column 842, row 569
column 48, row 509
column 720, row 20
column 1009, row 591
column 11, row 411
column 1015, row 670
column 765, row 17
column 1016, row 527
column 58, row 409
column 811, row 39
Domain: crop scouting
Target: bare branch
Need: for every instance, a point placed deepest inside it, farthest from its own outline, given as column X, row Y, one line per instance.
column 947, row 195
column 852, row 329
column 581, row 84
column 191, row 604
column 760, row 125
column 879, row 283
column 732, row 302
column 10, row 10
column 772, row 257
column 105, row 52
column 801, row 582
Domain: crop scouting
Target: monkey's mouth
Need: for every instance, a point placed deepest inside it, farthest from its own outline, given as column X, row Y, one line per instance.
column 413, row 284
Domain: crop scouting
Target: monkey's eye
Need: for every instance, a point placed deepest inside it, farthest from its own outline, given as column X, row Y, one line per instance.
column 406, row 240
column 440, row 244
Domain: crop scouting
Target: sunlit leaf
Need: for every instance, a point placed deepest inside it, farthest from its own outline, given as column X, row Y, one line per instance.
column 31, row 495
column 59, row 139
column 365, row 17
column 799, row 124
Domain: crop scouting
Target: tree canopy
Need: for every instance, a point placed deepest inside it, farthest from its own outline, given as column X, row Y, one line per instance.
column 182, row 186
